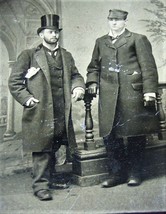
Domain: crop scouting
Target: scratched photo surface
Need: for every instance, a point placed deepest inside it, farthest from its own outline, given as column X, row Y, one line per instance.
column 82, row 22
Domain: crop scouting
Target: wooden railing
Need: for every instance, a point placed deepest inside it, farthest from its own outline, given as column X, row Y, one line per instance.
column 162, row 117
column 89, row 137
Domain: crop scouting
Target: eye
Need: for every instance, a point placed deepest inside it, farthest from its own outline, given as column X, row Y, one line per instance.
column 49, row 31
column 110, row 19
column 55, row 32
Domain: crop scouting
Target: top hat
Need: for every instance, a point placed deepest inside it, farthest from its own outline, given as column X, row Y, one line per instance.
column 50, row 21
column 117, row 14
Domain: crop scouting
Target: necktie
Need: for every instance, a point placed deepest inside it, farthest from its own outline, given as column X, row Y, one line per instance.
column 53, row 53
column 114, row 38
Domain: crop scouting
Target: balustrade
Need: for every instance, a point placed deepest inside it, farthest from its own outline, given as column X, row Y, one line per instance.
column 161, row 112
column 3, row 121
column 89, row 136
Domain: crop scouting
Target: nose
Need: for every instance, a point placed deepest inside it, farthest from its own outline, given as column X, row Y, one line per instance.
column 114, row 21
column 54, row 33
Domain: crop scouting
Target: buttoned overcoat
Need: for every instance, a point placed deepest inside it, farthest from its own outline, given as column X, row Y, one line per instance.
column 37, row 121
column 125, row 71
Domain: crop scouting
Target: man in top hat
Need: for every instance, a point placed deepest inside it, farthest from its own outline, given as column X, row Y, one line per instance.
column 124, row 70
column 42, row 81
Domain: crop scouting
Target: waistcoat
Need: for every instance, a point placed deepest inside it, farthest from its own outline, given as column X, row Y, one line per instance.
column 56, row 78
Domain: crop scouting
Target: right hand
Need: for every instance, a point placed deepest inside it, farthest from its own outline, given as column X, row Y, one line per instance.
column 31, row 102
column 149, row 101
column 92, row 88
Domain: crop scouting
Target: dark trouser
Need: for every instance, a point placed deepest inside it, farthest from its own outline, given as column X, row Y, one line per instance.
column 125, row 158
column 136, row 150
column 43, row 167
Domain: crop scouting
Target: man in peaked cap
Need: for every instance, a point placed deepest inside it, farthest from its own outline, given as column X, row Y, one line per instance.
column 42, row 81
column 124, row 70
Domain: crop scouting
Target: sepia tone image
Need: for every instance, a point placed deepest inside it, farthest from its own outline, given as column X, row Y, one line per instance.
column 82, row 106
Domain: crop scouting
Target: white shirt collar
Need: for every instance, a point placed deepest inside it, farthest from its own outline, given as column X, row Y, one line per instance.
column 54, row 51
column 57, row 46
column 110, row 33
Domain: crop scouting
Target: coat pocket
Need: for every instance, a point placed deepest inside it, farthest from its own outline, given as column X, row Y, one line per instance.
column 29, row 113
column 137, row 86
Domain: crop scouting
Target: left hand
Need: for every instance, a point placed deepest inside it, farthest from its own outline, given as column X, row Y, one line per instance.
column 78, row 94
column 92, row 88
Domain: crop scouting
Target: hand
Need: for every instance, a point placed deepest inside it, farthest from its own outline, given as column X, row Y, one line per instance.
column 92, row 88
column 31, row 102
column 149, row 101
column 78, row 94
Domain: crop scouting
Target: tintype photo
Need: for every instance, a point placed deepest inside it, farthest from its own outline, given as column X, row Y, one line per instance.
column 82, row 106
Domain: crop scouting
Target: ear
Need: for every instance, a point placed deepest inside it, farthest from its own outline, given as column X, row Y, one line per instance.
column 41, row 34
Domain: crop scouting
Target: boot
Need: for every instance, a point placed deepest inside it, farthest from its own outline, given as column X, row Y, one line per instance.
column 116, row 163
column 114, row 180
column 134, row 180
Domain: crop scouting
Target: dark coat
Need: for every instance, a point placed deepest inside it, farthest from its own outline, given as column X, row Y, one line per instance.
column 37, row 121
column 125, row 71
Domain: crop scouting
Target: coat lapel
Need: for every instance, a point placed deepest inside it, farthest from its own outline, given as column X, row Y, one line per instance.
column 120, row 42
column 42, row 61
column 108, row 42
column 67, row 80
column 122, row 39
column 65, row 69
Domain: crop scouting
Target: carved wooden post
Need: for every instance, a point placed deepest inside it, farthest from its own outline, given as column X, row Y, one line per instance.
column 89, row 164
column 162, row 133
column 89, row 137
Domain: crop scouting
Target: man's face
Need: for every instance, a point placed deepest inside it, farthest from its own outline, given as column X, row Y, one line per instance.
column 50, row 36
column 116, row 24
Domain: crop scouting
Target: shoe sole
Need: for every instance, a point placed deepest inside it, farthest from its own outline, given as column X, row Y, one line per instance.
column 133, row 184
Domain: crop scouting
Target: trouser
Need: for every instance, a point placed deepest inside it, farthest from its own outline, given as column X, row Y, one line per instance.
column 125, row 156
column 135, row 152
column 43, row 168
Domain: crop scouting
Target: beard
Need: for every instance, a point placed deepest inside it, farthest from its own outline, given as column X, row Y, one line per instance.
column 51, row 41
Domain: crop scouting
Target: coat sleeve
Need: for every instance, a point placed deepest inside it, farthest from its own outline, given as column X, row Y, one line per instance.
column 94, row 66
column 16, row 80
column 147, row 64
column 76, row 78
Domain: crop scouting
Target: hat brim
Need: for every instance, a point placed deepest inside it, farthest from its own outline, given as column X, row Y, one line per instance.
column 117, row 17
column 47, row 27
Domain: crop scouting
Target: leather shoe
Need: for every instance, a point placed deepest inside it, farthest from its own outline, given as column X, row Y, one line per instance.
column 43, row 195
column 134, row 180
column 113, row 181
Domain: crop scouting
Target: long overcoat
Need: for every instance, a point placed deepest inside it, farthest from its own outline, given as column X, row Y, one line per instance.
column 37, row 121
column 124, row 71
